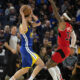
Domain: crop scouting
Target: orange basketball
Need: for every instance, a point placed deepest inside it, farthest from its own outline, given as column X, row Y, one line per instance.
column 26, row 10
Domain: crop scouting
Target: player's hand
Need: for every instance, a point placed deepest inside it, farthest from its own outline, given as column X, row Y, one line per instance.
column 21, row 11
column 13, row 51
column 72, row 51
column 34, row 24
column 32, row 12
column 50, row 1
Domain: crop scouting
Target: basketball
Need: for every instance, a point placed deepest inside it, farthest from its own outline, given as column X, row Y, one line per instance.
column 26, row 10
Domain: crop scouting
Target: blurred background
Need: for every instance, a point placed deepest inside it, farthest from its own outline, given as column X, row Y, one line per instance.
column 44, row 36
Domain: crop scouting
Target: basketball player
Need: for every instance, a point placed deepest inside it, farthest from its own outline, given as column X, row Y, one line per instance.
column 29, row 57
column 63, row 51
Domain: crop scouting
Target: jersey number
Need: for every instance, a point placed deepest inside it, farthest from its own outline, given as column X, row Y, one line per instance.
column 68, row 38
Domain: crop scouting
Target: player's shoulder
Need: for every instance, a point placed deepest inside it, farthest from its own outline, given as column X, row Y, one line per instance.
column 22, row 30
column 68, row 26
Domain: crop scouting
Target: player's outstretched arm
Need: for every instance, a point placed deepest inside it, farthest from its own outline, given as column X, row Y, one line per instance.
column 24, row 23
column 55, row 10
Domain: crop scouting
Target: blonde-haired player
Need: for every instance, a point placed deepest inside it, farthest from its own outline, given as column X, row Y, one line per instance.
column 29, row 57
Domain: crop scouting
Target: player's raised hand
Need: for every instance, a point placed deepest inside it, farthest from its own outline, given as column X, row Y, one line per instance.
column 21, row 11
column 50, row 1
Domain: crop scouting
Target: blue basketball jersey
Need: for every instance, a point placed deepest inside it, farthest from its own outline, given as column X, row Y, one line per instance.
column 29, row 57
column 27, row 38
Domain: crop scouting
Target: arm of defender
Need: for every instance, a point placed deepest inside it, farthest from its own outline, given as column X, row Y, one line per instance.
column 55, row 10
column 73, row 40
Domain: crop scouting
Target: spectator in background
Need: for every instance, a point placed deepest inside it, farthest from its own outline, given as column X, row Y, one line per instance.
column 53, row 21
column 30, row 2
column 47, row 26
column 45, row 43
column 41, row 1
column 68, row 66
column 11, row 47
column 1, row 26
column 6, row 30
column 47, row 35
column 2, row 17
column 46, row 10
column 78, row 29
column 43, row 53
column 19, row 38
column 53, row 38
column 78, row 13
column 3, row 59
column 64, row 6
column 71, row 10
column 7, row 10
column 44, row 56
column 36, row 45
column 12, row 17
column 35, row 35
column 78, row 4
column 78, row 20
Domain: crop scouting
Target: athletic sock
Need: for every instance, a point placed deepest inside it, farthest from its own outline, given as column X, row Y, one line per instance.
column 31, row 78
column 12, row 78
column 59, row 75
column 53, row 73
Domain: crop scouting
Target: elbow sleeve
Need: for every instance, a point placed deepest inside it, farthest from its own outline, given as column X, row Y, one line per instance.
column 73, row 39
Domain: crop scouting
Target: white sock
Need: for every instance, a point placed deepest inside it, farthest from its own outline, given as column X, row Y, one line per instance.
column 31, row 78
column 53, row 73
column 59, row 75
column 12, row 78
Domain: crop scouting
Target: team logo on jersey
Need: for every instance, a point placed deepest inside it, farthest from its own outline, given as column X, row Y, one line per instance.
column 68, row 29
column 31, row 34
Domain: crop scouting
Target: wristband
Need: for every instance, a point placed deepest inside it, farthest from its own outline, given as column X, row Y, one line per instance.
column 37, row 21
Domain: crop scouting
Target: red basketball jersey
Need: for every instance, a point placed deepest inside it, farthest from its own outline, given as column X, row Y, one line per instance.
column 64, row 36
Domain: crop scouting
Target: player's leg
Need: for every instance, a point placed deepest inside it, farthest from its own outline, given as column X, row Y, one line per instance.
column 59, row 75
column 50, row 65
column 22, row 71
column 19, row 73
column 56, row 58
column 53, row 73
column 40, row 65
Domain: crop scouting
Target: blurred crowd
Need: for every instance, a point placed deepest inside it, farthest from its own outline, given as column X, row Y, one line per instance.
column 44, row 36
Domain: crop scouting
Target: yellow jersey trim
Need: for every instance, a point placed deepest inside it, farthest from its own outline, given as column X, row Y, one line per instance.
column 33, row 59
column 25, row 67
column 26, row 29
